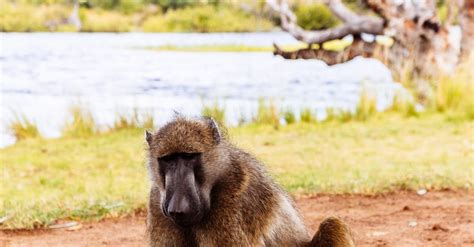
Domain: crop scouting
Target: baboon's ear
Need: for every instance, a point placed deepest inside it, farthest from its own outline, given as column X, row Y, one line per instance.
column 148, row 137
column 216, row 133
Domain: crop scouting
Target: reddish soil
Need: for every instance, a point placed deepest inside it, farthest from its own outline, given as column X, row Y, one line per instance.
column 400, row 219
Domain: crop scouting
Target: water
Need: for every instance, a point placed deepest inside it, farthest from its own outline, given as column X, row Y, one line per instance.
column 43, row 74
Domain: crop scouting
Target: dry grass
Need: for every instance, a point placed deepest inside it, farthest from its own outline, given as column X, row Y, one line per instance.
column 22, row 128
column 80, row 124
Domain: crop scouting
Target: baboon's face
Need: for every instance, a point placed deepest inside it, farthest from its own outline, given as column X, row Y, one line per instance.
column 185, row 163
column 182, row 176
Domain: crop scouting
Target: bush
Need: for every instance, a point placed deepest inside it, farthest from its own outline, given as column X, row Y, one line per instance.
column 315, row 17
column 205, row 19
column 20, row 18
column 289, row 116
column 104, row 21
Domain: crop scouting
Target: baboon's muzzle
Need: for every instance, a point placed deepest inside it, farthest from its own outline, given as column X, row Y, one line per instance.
column 182, row 202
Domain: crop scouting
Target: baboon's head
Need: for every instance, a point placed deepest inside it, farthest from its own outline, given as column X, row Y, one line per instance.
column 186, row 160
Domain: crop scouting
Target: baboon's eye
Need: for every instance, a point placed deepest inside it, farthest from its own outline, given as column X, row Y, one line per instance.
column 190, row 156
column 167, row 158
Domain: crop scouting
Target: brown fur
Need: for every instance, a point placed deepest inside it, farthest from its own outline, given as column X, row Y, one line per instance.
column 247, row 208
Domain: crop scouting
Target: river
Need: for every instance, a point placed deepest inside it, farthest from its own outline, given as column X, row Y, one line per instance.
column 43, row 74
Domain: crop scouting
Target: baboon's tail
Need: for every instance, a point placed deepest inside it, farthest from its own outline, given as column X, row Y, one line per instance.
column 333, row 232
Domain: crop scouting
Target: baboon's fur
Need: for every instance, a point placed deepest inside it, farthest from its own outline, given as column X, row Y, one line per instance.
column 247, row 208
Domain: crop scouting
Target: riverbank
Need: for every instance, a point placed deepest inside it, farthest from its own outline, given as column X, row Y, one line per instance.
column 104, row 175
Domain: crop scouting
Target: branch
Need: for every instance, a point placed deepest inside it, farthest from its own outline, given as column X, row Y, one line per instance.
column 353, row 23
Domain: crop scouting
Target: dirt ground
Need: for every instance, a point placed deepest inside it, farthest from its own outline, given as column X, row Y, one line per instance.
column 400, row 219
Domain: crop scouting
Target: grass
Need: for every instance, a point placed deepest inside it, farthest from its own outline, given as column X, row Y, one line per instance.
column 454, row 94
column 22, row 128
column 267, row 114
column 206, row 18
column 215, row 111
column 80, row 124
column 91, row 177
column 132, row 121
column 335, row 45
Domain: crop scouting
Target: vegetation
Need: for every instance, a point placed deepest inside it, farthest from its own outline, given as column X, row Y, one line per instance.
column 334, row 45
column 130, row 15
column 206, row 19
column 267, row 114
column 22, row 128
column 315, row 17
column 132, row 121
column 80, row 124
column 215, row 111
column 454, row 94
column 89, row 175
column 88, row 178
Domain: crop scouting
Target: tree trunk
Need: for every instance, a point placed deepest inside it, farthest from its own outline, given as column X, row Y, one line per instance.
column 467, row 26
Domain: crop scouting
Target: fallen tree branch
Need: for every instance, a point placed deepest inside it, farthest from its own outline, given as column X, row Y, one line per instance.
column 353, row 23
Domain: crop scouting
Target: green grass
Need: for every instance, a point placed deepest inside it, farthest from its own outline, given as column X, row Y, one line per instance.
column 454, row 94
column 215, row 111
column 88, row 178
column 335, row 45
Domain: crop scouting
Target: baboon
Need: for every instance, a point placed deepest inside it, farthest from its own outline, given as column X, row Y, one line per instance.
column 206, row 192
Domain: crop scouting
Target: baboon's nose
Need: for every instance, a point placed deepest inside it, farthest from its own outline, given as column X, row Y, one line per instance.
column 179, row 206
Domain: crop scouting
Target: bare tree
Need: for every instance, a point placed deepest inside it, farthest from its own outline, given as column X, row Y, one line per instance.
column 422, row 44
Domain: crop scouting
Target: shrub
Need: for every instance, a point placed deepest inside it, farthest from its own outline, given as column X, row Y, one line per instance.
column 289, row 116
column 205, row 18
column 20, row 18
column 104, row 21
column 315, row 17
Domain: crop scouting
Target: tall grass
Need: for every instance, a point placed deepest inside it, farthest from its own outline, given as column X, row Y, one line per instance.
column 366, row 107
column 308, row 116
column 22, row 128
column 404, row 105
column 80, row 124
column 267, row 114
column 215, row 111
column 338, row 115
column 454, row 93
column 135, row 120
